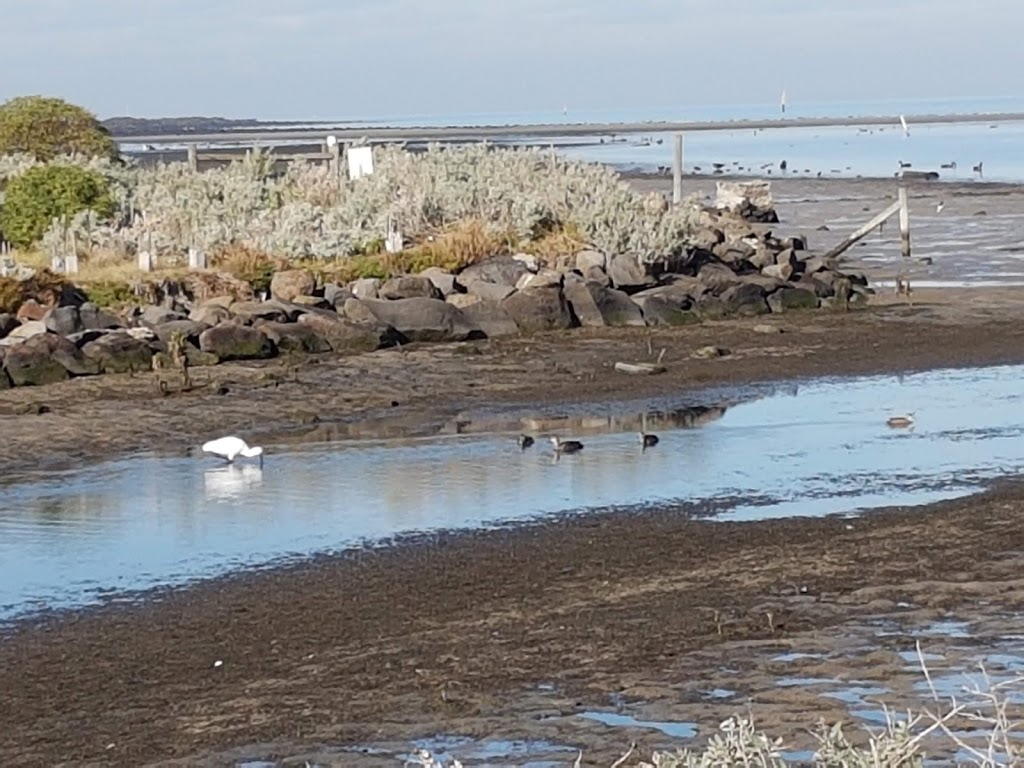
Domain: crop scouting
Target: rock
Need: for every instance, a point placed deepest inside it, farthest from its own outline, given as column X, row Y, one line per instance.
column 463, row 300
column 616, row 307
column 248, row 312
column 822, row 288
column 294, row 337
column 210, row 313
column 422, row 319
column 346, row 337
column 717, row 277
column 63, row 320
column 745, row 300
column 409, row 287
column 587, row 259
column 706, row 238
column 792, row 298
column 489, row 317
column 5, row 380
column 153, row 315
column 312, row 302
column 818, row 264
column 286, row 285
column 335, row 295
column 710, row 352
column 595, row 274
column 442, row 280
column 584, row 305
column 96, row 319
column 189, row 329
column 659, row 310
column 539, row 309
column 761, row 258
column 26, row 330
column 7, row 324
column 681, row 290
column 528, row 260
column 501, row 270
column 766, row 329
column 31, row 363
column 787, row 257
column 119, row 352
column 30, row 310
column 628, row 274
column 778, row 271
column 365, row 288
column 735, row 254
column 797, row 243
column 82, row 338
column 543, row 278
column 489, row 291
column 236, row 342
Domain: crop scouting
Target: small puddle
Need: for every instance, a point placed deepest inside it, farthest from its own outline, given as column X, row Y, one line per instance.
column 675, row 730
column 74, row 538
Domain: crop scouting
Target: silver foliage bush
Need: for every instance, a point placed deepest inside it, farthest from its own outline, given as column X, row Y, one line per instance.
column 309, row 211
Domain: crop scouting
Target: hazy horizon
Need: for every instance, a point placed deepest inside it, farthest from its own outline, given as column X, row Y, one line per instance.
column 306, row 60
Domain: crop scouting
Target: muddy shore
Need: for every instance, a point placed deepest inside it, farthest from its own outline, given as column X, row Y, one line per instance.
column 417, row 389
column 511, row 634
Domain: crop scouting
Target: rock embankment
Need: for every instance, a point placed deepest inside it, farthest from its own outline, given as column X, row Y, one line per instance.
column 735, row 267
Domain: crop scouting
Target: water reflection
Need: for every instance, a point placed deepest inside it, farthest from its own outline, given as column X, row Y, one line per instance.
column 818, row 449
column 231, row 481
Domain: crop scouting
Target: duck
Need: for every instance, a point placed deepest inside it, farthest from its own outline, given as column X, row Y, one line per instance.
column 648, row 440
column 566, row 446
column 524, row 441
column 898, row 422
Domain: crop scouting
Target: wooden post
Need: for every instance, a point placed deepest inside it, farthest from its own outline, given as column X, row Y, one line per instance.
column 196, row 258
column 71, row 263
column 677, row 170
column 336, row 157
column 904, row 224
column 193, row 157
column 145, row 261
column 864, row 231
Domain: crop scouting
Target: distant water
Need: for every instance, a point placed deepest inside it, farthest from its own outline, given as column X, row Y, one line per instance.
column 833, row 152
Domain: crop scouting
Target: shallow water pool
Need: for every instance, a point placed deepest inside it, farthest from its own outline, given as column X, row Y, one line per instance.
column 812, row 449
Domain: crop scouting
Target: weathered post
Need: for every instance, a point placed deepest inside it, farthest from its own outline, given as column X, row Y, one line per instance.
column 677, row 170
column 193, row 157
column 904, row 224
column 145, row 261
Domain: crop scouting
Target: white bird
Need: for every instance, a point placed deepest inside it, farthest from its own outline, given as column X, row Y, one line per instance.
column 939, row 207
column 229, row 448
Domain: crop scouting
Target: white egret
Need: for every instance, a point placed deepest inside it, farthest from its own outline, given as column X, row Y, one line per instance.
column 229, row 448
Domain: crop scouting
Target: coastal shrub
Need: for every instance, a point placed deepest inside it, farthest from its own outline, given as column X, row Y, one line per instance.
column 45, row 128
column 248, row 264
column 44, row 193
column 525, row 199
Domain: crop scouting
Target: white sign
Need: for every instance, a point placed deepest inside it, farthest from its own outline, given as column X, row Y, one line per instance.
column 360, row 162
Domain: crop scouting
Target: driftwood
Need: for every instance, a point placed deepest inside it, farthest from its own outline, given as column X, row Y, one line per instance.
column 645, row 369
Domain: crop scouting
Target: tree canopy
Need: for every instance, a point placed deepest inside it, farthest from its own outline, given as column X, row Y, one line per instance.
column 48, row 127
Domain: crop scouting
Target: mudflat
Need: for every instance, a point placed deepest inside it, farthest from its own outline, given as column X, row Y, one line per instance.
column 514, row 635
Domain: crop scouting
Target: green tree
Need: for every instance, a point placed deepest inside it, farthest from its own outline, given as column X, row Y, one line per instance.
column 48, row 127
column 47, row 192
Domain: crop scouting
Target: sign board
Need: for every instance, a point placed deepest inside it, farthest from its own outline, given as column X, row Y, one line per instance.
column 360, row 162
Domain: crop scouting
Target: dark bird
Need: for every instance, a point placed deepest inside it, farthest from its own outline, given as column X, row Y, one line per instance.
column 648, row 440
column 566, row 446
column 525, row 441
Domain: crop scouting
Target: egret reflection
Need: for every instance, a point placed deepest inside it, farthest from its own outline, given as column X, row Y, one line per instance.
column 231, row 481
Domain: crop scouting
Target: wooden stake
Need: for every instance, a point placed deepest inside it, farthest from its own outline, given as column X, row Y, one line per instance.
column 677, row 170
column 904, row 224
column 864, row 231
column 193, row 157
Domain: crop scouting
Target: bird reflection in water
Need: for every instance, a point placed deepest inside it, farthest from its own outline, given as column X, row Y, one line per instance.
column 232, row 481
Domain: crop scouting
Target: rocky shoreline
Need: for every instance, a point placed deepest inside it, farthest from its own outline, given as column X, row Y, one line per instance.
column 737, row 267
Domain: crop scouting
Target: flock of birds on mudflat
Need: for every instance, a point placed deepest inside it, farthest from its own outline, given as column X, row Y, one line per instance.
column 230, row 448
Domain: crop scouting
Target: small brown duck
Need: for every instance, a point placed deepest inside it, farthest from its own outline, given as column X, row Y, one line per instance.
column 900, row 422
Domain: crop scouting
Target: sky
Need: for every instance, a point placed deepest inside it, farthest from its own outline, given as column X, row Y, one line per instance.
column 366, row 59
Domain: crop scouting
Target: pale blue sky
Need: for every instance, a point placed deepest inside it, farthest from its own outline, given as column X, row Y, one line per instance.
column 328, row 59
